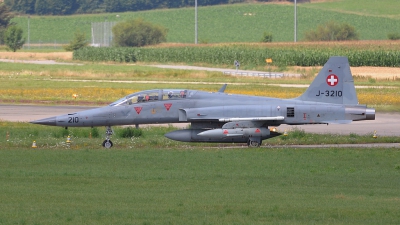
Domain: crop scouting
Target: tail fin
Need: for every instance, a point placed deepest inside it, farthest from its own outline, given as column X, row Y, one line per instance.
column 333, row 84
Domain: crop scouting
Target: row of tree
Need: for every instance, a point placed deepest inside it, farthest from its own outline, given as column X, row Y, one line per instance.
column 65, row 7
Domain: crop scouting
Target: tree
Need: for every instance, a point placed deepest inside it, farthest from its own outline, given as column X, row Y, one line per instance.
column 89, row 6
column 332, row 31
column 62, row 7
column 5, row 17
column 137, row 33
column 78, row 42
column 22, row 6
column 13, row 38
column 113, row 6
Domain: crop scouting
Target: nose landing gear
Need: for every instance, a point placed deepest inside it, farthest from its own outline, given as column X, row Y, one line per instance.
column 108, row 143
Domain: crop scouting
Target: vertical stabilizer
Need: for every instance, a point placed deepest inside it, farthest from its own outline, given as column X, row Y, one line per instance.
column 333, row 84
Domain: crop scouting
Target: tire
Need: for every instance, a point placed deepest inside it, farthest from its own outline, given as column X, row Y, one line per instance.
column 254, row 144
column 107, row 144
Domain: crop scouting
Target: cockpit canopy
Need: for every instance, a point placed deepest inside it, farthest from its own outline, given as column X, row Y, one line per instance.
column 153, row 95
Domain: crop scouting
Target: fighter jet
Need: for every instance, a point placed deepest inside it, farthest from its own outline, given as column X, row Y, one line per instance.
column 229, row 118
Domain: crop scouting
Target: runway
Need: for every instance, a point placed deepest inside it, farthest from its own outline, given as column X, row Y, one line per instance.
column 385, row 124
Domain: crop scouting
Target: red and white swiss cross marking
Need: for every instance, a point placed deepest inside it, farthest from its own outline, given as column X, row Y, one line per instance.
column 332, row 80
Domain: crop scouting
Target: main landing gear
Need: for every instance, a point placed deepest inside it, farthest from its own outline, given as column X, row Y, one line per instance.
column 254, row 142
column 108, row 143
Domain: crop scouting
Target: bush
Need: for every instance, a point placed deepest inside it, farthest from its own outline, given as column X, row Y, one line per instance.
column 129, row 132
column 394, row 36
column 78, row 42
column 137, row 33
column 267, row 37
column 297, row 133
column 332, row 31
column 95, row 132
column 61, row 133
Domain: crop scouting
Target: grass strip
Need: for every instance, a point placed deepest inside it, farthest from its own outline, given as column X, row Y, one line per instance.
column 152, row 185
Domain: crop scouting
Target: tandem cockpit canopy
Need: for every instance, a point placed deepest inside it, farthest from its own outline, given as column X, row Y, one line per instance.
column 153, row 95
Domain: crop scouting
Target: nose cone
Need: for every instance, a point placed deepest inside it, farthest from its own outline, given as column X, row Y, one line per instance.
column 180, row 135
column 51, row 121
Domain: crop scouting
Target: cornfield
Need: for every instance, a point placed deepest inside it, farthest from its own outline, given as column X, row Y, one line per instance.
column 249, row 55
column 106, row 54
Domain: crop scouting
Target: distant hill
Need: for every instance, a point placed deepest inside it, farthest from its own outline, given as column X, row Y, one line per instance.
column 243, row 22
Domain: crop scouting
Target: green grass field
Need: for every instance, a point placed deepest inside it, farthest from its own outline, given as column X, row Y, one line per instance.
column 387, row 8
column 200, row 186
column 233, row 23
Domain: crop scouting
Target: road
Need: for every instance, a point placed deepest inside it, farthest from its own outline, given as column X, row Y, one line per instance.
column 41, row 62
column 233, row 72
column 385, row 124
column 179, row 67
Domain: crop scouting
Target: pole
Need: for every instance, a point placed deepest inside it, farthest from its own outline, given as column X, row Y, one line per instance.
column 295, row 20
column 29, row 46
column 195, row 21
column 92, row 35
column 104, row 33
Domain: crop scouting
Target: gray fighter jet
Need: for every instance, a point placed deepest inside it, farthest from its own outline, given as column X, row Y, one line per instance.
column 219, row 117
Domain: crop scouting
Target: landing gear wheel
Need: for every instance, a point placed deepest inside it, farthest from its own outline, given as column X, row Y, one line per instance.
column 253, row 144
column 107, row 144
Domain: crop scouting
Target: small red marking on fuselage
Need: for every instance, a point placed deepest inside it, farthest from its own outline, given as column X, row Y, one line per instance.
column 305, row 116
column 138, row 109
column 225, row 132
column 167, row 106
column 257, row 130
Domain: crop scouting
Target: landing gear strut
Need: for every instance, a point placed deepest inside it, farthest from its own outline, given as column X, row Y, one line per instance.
column 108, row 143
